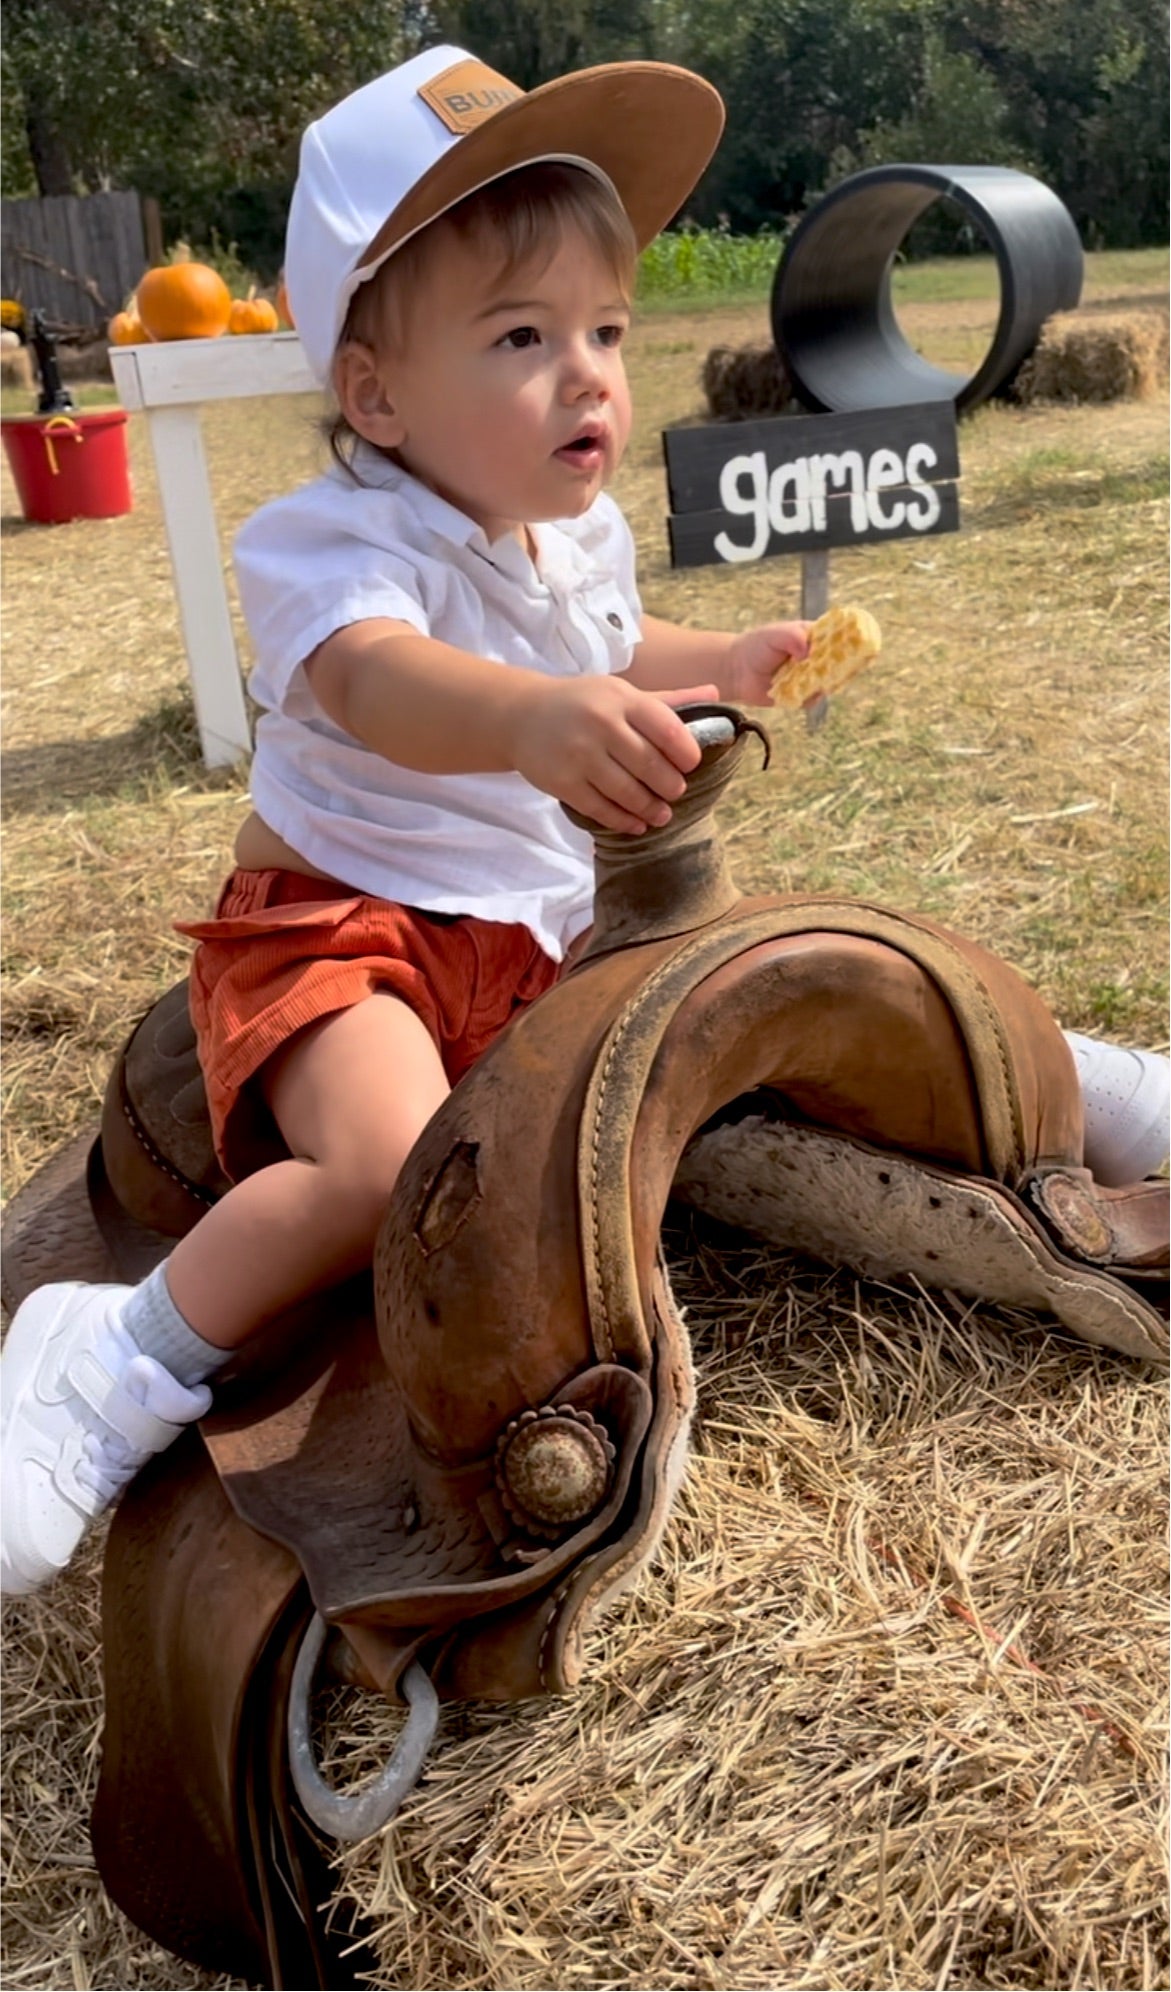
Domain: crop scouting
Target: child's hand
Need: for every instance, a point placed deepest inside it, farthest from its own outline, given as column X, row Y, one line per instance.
column 615, row 754
column 754, row 658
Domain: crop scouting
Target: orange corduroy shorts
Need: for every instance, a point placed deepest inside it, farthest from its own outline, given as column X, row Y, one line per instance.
column 285, row 950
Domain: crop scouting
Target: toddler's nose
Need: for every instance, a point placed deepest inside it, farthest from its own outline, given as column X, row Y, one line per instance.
column 585, row 374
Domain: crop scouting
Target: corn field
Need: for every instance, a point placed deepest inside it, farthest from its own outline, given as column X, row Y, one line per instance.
column 703, row 264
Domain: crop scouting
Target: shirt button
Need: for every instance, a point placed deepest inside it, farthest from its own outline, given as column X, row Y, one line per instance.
column 615, row 621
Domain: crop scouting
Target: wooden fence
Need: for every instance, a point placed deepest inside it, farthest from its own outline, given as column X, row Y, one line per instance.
column 74, row 257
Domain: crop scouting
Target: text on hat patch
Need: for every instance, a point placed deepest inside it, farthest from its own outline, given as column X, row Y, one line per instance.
column 464, row 96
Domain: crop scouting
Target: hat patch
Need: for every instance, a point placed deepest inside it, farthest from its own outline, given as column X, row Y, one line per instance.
column 466, row 95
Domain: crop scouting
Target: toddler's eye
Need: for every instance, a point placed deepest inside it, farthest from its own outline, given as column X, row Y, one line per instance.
column 611, row 335
column 520, row 337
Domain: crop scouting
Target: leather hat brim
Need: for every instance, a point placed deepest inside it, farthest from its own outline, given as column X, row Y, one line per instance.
column 650, row 127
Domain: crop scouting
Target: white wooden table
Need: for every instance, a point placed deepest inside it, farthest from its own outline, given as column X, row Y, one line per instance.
column 168, row 383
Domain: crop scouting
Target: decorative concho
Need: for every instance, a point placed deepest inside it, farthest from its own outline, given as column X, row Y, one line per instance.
column 553, row 1468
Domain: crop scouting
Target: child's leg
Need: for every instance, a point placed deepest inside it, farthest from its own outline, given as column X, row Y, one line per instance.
column 1127, row 1100
column 97, row 1379
column 350, row 1095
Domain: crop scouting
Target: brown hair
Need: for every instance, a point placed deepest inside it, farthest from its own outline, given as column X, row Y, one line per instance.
column 519, row 220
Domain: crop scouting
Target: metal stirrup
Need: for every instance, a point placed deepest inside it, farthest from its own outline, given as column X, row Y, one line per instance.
column 355, row 1815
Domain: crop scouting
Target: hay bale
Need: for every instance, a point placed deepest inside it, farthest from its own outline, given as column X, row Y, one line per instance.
column 15, row 362
column 742, row 382
column 1093, row 356
column 85, row 361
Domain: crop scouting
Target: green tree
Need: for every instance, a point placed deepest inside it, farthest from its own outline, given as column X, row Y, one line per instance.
column 1086, row 82
column 184, row 102
column 532, row 41
column 956, row 116
column 800, row 79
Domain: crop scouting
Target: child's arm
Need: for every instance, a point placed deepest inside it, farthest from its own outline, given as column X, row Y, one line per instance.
column 741, row 665
column 600, row 744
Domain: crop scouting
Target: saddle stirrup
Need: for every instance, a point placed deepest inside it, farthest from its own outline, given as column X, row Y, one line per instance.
column 355, row 1815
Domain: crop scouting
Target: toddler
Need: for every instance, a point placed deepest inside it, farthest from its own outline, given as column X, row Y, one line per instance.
column 449, row 644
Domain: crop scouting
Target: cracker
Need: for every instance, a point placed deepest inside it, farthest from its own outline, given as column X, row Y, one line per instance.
column 842, row 642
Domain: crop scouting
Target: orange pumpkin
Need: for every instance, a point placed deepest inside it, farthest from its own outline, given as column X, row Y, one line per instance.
column 282, row 306
column 183, row 301
column 252, row 314
column 126, row 329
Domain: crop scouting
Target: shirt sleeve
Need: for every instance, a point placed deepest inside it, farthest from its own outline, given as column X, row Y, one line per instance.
column 313, row 563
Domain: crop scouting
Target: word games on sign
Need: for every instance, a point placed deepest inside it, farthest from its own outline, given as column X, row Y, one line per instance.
column 792, row 498
column 742, row 490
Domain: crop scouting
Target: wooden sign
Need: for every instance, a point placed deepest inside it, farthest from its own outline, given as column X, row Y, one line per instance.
column 742, row 490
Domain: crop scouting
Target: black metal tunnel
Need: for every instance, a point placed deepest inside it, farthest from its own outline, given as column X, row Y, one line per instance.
column 833, row 320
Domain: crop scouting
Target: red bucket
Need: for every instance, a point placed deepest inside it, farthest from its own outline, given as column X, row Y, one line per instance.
column 69, row 466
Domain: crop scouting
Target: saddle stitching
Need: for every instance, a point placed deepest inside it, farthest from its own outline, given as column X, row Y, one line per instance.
column 553, row 1613
column 203, row 1197
column 627, row 1018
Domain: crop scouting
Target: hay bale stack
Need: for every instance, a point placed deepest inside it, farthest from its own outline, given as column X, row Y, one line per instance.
column 1085, row 356
column 742, row 382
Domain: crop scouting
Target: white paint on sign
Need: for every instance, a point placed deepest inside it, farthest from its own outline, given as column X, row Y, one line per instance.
column 792, row 498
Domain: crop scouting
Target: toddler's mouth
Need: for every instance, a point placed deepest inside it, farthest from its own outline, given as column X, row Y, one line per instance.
column 585, row 451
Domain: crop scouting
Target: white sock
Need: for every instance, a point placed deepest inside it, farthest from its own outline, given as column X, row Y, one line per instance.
column 158, row 1328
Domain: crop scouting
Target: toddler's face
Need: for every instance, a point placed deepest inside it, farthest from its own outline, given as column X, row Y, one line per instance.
column 511, row 398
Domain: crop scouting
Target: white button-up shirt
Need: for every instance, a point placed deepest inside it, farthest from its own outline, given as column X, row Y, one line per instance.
column 340, row 552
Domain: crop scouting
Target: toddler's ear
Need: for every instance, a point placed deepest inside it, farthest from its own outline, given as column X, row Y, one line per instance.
column 363, row 396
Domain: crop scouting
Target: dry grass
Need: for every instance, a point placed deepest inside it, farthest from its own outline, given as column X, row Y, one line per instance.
column 812, row 1750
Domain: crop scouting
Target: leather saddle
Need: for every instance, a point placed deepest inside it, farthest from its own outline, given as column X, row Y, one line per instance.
column 439, row 1473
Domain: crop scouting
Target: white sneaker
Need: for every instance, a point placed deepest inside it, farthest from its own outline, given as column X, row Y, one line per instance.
column 1127, row 1101
column 81, row 1410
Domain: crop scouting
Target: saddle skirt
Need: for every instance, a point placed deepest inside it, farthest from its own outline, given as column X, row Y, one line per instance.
column 460, row 1461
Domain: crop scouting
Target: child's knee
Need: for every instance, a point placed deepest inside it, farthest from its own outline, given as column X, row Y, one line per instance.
column 355, row 1196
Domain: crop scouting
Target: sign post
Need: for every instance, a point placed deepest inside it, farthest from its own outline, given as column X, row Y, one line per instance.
column 814, row 584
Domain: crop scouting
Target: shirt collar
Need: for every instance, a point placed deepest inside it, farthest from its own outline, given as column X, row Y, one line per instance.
column 560, row 560
column 445, row 521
